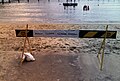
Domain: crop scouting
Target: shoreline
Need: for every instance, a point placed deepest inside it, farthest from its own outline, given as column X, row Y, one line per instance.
column 37, row 22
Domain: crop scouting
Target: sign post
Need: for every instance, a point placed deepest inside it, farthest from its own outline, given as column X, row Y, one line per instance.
column 25, row 41
column 102, row 48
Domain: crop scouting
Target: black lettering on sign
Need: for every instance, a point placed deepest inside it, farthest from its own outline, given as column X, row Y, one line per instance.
column 39, row 33
column 61, row 33
column 72, row 34
column 49, row 33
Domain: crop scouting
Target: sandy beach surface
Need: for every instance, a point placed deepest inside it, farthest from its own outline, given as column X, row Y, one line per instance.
column 58, row 59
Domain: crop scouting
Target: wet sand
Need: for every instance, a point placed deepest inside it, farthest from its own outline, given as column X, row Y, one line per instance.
column 58, row 59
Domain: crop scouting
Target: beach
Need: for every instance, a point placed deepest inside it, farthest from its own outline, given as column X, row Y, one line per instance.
column 58, row 59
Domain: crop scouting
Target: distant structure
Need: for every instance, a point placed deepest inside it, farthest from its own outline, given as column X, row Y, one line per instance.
column 71, row 3
column 85, row 8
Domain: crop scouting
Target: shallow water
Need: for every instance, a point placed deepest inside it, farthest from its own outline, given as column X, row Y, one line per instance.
column 53, row 11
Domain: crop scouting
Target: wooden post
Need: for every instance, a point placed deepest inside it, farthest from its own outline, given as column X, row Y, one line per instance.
column 28, row 40
column 25, row 41
column 102, row 48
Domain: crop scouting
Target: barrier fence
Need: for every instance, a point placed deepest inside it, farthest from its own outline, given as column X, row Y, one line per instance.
column 71, row 34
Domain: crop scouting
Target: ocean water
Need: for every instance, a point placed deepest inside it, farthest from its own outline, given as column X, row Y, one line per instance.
column 53, row 11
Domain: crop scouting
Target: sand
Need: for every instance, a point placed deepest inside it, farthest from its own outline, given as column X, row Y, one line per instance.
column 58, row 59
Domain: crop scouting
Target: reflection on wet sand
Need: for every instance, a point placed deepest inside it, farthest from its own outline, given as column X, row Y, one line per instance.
column 56, row 11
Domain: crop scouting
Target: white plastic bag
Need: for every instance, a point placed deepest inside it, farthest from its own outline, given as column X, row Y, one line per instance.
column 28, row 57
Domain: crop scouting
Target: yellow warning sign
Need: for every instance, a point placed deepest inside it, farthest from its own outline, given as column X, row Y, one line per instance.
column 22, row 33
column 109, row 34
column 90, row 34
